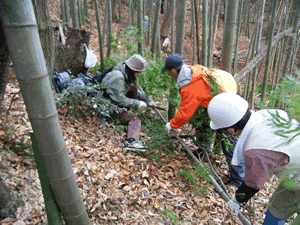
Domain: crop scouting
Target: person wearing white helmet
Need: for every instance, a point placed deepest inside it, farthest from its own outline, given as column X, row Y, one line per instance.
column 195, row 84
column 265, row 153
column 121, row 88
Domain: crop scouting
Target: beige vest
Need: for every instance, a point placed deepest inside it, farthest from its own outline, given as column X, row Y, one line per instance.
column 225, row 81
column 262, row 136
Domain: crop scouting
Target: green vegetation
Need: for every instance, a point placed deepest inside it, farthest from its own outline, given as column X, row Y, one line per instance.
column 195, row 174
column 171, row 216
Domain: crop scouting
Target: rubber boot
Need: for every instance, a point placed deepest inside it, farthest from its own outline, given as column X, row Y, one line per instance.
column 271, row 220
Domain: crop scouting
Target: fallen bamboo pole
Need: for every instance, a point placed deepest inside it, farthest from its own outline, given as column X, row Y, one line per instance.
column 220, row 191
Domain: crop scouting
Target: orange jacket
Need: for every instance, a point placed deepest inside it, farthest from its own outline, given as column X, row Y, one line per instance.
column 193, row 95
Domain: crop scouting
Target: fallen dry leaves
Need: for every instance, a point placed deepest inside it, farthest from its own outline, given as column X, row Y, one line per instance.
column 117, row 187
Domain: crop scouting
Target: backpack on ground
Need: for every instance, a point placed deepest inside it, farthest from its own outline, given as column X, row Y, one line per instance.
column 100, row 75
column 61, row 81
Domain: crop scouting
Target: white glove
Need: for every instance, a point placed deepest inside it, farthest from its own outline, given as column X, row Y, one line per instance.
column 142, row 105
column 234, row 205
column 168, row 126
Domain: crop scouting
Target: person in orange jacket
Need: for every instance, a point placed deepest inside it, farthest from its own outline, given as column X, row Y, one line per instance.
column 197, row 85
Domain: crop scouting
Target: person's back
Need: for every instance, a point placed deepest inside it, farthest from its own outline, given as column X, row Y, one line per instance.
column 197, row 86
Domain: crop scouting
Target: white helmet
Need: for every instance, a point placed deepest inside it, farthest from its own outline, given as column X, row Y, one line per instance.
column 226, row 109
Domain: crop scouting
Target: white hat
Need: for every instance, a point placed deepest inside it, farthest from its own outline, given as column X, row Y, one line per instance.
column 226, row 109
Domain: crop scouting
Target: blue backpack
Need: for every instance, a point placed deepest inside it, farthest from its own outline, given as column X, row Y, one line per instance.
column 63, row 80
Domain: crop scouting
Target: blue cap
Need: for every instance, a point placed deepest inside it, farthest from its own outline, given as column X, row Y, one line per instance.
column 173, row 61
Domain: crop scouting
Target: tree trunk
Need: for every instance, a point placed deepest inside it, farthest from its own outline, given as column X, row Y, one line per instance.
column 197, row 30
column 99, row 35
column 240, row 14
column 165, row 27
column 292, row 41
column 8, row 202
column 4, row 62
column 74, row 13
column 72, row 54
column 268, row 59
column 229, row 34
column 109, row 28
column 155, row 29
column 31, row 72
column 67, row 19
column 79, row 10
column 204, row 33
column 140, row 26
column 211, row 33
column 180, row 26
column 173, row 3
column 46, row 33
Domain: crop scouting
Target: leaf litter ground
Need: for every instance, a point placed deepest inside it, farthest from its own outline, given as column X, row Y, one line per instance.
column 117, row 187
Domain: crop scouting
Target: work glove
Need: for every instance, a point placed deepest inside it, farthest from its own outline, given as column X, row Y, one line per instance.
column 142, row 105
column 168, row 126
column 150, row 102
column 234, row 205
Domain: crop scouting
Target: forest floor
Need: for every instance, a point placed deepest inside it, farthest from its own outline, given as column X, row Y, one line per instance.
column 117, row 187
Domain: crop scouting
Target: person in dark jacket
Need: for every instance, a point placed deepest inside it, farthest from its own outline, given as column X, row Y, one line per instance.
column 121, row 88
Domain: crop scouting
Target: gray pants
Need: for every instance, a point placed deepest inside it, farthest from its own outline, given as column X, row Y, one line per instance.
column 284, row 202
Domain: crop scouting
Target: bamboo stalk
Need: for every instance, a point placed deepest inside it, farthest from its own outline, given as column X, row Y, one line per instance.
column 268, row 59
column 211, row 34
column 32, row 75
column 204, row 33
column 197, row 30
column 52, row 209
column 241, row 74
column 99, row 35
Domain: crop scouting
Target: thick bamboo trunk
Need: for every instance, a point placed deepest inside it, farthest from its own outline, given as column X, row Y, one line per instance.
column 173, row 2
column 269, row 57
column 155, row 29
column 211, row 33
column 26, row 52
column 165, row 27
column 4, row 62
column 74, row 13
column 109, row 27
column 99, row 35
column 204, row 33
column 229, row 34
column 140, row 27
column 180, row 26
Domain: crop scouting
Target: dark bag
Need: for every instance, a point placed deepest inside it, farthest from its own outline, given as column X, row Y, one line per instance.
column 88, row 81
column 61, row 81
column 100, row 75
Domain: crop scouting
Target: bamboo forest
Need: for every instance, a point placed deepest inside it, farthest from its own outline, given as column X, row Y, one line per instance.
column 115, row 112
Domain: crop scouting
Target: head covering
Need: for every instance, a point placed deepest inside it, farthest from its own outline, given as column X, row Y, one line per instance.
column 226, row 109
column 173, row 61
column 136, row 63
